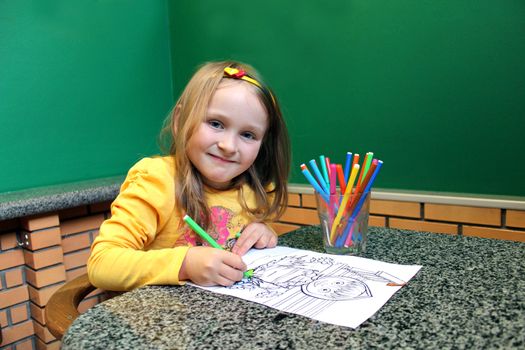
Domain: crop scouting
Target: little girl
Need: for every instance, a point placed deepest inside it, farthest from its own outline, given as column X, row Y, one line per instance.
column 227, row 169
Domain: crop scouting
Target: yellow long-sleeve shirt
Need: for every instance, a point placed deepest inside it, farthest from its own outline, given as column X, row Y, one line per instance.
column 145, row 240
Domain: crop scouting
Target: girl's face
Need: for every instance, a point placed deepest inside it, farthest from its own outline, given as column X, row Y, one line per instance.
column 227, row 142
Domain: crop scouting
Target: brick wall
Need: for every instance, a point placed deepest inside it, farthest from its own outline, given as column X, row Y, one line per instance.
column 498, row 223
column 39, row 254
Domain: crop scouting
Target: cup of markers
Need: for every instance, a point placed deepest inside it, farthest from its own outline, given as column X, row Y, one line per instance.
column 343, row 200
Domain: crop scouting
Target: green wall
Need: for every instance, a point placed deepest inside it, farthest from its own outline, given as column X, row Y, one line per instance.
column 435, row 88
column 84, row 87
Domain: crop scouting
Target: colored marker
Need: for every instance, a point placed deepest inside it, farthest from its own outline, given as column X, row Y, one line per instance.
column 362, row 199
column 333, row 176
column 367, row 189
column 354, row 200
column 366, row 165
column 323, row 166
column 200, row 231
column 328, row 167
column 314, row 183
column 344, row 202
column 360, row 187
column 319, row 177
column 347, row 166
column 341, row 178
column 356, row 160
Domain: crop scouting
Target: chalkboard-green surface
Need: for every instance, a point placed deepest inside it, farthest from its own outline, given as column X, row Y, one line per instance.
column 435, row 88
column 84, row 87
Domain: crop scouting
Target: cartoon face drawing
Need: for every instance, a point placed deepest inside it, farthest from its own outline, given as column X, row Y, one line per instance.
column 336, row 288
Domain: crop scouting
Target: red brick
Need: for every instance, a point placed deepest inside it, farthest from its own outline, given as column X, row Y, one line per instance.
column 485, row 232
column 26, row 344
column 427, row 226
column 40, row 296
column 14, row 277
column 19, row 313
column 13, row 296
column 43, row 238
column 395, row 208
column 464, row 214
column 17, row 332
column 44, row 257
column 300, row 216
column 8, row 240
column 45, row 277
column 308, row 201
column 73, row 273
column 38, row 313
column 81, row 224
column 3, row 318
column 76, row 259
column 281, row 228
column 378, row 221
column 76, row 242
column 294, row 199
column 33, row 223
column 42, row 332
column 11, row 258
column 94, row 235
column 40, row 345
column 516, row 218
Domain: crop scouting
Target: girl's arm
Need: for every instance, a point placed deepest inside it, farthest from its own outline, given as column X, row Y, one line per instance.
column 119, row 260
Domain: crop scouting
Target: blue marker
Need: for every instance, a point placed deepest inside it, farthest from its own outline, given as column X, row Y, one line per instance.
column 347, row 165
column 314, row 183
column 320, row 177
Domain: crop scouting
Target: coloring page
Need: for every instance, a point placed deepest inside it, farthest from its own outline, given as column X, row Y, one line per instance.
column 342, row 290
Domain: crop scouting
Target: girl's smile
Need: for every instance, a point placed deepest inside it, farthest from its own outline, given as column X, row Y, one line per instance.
column 227, row 142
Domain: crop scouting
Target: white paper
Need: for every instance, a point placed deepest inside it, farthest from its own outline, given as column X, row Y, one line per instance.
column 342, row 290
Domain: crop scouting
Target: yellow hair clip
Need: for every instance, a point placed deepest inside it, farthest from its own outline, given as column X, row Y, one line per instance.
column 235, row 73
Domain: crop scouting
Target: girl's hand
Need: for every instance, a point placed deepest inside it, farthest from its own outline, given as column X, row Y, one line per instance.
column 256, row 234
column 208, row 266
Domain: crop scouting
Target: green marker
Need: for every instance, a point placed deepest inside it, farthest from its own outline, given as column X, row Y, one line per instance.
column 200, row 231
column 195, row 227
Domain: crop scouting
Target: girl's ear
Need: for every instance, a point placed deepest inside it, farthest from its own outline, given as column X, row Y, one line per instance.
column 175, row 119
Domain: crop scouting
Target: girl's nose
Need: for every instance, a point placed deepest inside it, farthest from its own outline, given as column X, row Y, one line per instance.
column 227, row 144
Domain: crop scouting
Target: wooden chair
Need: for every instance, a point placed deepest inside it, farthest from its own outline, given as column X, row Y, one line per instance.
column 61, row 309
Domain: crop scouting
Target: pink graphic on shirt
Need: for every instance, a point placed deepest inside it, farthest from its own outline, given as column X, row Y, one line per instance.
column 222, row 223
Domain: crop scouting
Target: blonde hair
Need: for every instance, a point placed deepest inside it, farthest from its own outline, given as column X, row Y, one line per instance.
column 267, row 176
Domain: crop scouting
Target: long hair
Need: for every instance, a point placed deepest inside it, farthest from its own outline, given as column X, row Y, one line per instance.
column 267, row 176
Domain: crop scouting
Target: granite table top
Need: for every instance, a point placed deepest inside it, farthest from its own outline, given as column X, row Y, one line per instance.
column 52, row 198
column 469, row 294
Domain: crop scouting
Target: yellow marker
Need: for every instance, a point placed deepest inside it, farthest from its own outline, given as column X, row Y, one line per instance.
column 342, row 206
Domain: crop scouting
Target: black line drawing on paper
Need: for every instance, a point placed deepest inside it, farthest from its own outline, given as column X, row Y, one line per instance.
column 311, row 284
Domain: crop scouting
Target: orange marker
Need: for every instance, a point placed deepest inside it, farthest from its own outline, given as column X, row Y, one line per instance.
column 341, row 177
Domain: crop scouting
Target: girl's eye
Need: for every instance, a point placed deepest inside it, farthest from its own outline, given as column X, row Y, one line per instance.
column 215, row 124
column 248, row 135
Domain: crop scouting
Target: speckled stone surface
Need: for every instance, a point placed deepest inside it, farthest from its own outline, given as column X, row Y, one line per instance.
column 470, row 294
column 51, row 198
